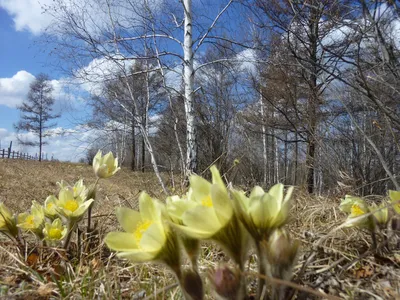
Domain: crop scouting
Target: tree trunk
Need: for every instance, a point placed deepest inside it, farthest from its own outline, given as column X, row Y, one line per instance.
column 143, row 155
column 191, row 143
column 133, row 162
column 313, row 99
column 40, row 134
column 264, row 140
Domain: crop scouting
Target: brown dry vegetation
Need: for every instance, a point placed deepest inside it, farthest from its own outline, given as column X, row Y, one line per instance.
column 339, row 260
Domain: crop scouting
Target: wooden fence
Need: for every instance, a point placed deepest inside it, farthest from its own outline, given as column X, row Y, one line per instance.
column 6, row 153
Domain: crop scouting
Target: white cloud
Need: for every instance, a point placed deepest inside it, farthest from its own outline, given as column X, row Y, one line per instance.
column 38, row 15
column 14, row 90
column 64, row 144
column 248, row 61
column 28, row 14
column 99, row 70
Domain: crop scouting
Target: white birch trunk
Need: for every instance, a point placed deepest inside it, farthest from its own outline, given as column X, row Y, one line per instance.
column 264, row 141
column 191, row 151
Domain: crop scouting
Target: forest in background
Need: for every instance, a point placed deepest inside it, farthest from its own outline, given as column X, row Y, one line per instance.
column 300, row 92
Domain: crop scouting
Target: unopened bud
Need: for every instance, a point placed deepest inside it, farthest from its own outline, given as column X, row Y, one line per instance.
column 281, row 253
column 226, row 282
column 91, row 194
column 193, row 285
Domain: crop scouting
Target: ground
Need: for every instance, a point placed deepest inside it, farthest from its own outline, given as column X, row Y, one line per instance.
column 339, row 260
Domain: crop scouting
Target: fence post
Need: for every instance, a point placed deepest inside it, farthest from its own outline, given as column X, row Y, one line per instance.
column 2, row 156
column 9, row 149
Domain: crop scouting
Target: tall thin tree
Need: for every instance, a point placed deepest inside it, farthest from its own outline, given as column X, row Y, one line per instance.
column 36, row 112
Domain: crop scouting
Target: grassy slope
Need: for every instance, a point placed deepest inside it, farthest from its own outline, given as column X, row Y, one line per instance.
column 335, row 268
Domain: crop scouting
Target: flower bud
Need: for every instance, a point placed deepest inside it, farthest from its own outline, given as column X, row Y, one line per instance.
column 7, row 221
column 193, row 285
column 226, row 282
column 105, row 166
column 281, row 254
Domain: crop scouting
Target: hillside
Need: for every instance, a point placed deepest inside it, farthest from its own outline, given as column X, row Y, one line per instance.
column 340, row 262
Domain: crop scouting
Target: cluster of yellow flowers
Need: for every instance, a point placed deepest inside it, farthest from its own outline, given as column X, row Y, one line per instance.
column 374, row 218
column 367, row 216
column 208, row 211
column 58, row 216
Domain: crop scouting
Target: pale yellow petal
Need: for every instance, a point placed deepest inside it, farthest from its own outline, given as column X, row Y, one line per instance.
column 128, row 218
column 139, row 256
column 257, row 192
column 147, row 208
column 120, row 241
column 177, row 208
column 153, row 238
column 222, row 203
column 82, row 208
column 195, row 233
column 216, row 177
column 200, row 188
column 202, row 218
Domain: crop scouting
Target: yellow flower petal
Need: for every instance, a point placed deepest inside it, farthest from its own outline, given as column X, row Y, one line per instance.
column 200, row 188
column 202, row 217
column 216, row 178
column 153, row 238
column 121, row 241
column 222, row 203
column 147, row 208
column 139, row 255
column 128, row 218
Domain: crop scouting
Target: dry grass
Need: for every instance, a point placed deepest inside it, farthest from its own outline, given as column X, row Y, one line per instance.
column 337, row 262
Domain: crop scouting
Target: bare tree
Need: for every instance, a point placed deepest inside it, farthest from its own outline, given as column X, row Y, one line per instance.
column 141, row 30
column 36, row 112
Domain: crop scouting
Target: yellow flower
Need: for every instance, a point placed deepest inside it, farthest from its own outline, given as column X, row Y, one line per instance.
column 50, row 207
column 208, row 214
column 356, row 218
column 347, row 203
column 207, row 210
column 263, row 212
column 146, row 236
column 71, row 207
column 176, row 207
column 32, row 221
column 395, row 200
column 7, row 222
column 55, row 231
column 105, row 166
column 79, row 188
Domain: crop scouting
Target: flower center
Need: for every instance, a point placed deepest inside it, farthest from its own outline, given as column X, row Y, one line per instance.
column 356, row 210
column 30, row 220
column 54, row 233
column 110, row 170
column 71, row 205
column 207, row 201
column 141, row 229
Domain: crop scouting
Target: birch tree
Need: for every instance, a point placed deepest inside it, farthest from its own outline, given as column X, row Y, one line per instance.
column 129, row 30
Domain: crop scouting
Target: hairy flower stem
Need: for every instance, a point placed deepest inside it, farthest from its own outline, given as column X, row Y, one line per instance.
column 261, row 270
column 92, row 192
column 71, row 227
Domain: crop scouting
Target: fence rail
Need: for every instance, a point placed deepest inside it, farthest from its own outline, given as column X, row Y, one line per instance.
column 5, row 153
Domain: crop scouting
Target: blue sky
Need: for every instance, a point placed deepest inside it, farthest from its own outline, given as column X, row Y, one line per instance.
column 21, row 58
column 21, row 24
